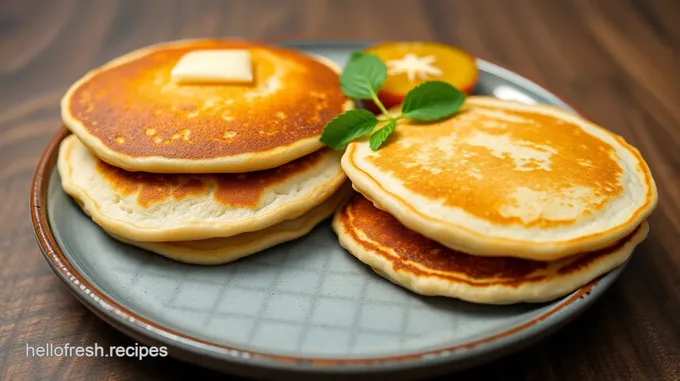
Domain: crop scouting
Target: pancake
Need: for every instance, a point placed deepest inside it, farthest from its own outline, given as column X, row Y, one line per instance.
column 147, row 207
column 216, row 251
column 426, row 267
column 131, row 115
column 504, row 178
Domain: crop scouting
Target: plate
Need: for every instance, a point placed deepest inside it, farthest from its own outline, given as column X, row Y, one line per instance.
column 305, row 308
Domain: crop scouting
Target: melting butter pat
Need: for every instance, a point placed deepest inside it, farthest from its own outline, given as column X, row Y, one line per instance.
column 213, row 66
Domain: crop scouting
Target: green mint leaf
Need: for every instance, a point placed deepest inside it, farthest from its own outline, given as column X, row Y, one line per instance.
column 355, row 54
column 348, row 126
column 379, row 137
column 432, row 101
column 363, row 75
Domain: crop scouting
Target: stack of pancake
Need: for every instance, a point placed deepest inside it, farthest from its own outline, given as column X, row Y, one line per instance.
column 502, row 203
column 204, row 173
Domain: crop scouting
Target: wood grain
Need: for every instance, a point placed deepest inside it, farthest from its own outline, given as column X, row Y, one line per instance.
column 615, row 60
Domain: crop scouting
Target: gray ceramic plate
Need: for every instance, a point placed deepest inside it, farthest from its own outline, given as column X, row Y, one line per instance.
column 306, row 307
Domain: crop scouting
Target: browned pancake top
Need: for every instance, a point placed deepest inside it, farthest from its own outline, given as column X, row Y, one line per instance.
column 135, row 109
column 242, row 190
column 493, row 162
column 380, row 233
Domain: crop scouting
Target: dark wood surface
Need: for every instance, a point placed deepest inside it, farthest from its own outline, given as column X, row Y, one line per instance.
column 616, row 60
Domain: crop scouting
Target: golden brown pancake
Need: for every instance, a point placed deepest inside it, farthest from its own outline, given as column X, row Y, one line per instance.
column 216, row 251
column 529, row 181
column 132, row 115
column 149, row 207
column 426, row 267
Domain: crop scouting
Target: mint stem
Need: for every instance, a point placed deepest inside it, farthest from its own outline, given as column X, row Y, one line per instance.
column 380, row 105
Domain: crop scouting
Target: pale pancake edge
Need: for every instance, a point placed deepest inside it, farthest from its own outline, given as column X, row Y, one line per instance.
column 174, row 207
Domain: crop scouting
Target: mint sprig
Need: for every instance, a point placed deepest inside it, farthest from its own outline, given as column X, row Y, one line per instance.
column 363, row 76
column 349, row 125
column 432, row 101
column 361, row 79
column 379, row 137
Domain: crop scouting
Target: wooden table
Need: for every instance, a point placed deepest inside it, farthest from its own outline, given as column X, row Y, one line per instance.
column 615, row 60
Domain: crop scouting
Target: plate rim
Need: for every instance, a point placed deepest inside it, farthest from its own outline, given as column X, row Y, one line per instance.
column 90, row 295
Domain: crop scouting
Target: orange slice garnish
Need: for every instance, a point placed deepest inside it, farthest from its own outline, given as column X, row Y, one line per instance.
column 412, row 63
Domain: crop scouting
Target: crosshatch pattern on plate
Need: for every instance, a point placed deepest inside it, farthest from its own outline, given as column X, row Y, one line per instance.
column 307, row 298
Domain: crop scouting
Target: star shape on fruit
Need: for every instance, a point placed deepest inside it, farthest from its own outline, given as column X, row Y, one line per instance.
column 413, row 66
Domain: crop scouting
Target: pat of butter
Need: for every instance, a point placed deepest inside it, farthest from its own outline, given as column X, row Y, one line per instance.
column 213, row 66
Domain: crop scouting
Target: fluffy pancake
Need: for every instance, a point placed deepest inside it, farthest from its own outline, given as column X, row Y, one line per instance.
column 503, row 178
column 428, row 268
column 215, row 251
column 147, row 207
column 134, row 117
